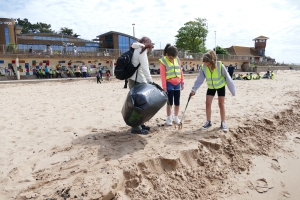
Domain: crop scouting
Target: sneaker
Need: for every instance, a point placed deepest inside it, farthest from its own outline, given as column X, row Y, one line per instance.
column 169, row 121
column 176, row 120
column 223, row 126
column 142, row 132
column 145, row 127
column 206, row 125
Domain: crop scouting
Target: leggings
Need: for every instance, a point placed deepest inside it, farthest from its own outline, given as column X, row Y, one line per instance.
column 174, row 95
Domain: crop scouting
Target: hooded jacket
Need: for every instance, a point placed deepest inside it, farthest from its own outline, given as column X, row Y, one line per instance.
column 143, row 72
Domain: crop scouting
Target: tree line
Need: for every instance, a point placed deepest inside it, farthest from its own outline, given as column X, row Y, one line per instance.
column 191, row 37
column 41, row 27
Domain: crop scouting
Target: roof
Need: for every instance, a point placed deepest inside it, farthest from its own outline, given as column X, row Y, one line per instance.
column 115, row 32
column 242, row 51
column 261, row 37
column 56, row 35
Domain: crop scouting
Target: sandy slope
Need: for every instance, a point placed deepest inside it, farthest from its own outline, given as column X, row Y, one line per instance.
column 67, row 140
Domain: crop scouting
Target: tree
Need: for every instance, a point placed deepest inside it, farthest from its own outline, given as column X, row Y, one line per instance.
column 39, row 27
column 221, row 50
column 68, row 31
column 192, row 36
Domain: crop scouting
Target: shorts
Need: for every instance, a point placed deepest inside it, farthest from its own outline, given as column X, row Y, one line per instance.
column 170, row 86
column 220, row 91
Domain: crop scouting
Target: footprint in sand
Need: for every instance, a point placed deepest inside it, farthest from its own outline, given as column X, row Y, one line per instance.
column 297, row 140
column 261, row 185
column 285, row 194
column 275, row 164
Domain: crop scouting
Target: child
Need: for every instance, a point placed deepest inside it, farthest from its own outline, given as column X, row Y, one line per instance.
column 216, row 77
column 172, row 81
column 108, row 75
column 98, row 77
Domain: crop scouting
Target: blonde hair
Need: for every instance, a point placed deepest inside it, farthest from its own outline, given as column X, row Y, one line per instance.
column 211, row 58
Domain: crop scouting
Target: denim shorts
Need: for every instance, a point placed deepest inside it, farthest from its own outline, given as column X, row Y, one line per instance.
column 170, row 86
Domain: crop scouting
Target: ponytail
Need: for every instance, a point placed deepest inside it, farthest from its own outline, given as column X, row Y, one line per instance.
column 165, row 50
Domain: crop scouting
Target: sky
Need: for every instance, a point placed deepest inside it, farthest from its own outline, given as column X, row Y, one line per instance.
column 236, row 22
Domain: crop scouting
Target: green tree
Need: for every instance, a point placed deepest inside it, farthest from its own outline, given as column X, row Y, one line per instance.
column 192, row 36
column 39, row 27
column 68, row 31
column 221, row 50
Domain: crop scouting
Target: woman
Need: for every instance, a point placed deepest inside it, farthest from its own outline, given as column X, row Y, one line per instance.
column 142, row 74
column 216, row 77
column 172, row 81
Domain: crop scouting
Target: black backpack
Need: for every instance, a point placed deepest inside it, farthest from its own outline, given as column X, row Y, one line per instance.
column 124, row 68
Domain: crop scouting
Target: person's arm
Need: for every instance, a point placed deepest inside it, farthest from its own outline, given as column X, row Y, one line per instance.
column 182, row 77
column 145, row 66
column 163, row 76
column 199, row 81
column 229, row 81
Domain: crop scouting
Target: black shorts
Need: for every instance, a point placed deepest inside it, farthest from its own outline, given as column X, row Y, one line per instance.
column 212, row 92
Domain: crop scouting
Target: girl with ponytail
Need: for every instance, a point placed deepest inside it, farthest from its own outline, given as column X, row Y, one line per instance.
column 172, row 81
column 216, row 77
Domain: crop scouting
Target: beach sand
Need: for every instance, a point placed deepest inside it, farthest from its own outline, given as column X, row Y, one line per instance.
column 68, row 140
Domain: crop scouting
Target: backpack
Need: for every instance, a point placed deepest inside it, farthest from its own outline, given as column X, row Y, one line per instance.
column 124, row 68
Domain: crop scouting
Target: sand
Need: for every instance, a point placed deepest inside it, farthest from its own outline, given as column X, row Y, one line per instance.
column 68, row 140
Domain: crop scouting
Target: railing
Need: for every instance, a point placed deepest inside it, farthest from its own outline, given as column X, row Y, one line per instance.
column 110, row 53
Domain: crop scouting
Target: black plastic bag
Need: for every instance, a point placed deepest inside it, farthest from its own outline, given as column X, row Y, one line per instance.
column 142, row 103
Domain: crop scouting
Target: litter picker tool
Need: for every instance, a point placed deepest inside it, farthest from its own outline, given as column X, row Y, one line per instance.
column 180, row 125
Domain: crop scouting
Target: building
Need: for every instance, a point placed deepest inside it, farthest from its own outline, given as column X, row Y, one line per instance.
column 256, row 53
column 39, row 41
column 115, row 40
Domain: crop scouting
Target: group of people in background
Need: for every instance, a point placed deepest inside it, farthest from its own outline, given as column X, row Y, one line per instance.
column 249, row 76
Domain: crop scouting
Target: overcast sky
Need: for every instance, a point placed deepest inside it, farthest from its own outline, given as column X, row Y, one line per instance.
column 236, row 22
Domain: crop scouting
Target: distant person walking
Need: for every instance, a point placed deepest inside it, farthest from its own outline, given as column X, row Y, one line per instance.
column 75, row 50
column 99, row 77
column 230, row 70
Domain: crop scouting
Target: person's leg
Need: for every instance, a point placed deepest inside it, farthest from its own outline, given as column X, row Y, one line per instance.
column 209, row 99
column 177, row 104
column 221, row 101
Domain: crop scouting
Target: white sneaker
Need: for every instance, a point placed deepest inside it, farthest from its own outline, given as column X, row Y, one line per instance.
column 223, row 127
column 176, row 120
column 169, row 121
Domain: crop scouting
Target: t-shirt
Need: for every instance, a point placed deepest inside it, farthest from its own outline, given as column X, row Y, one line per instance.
column 84, row 69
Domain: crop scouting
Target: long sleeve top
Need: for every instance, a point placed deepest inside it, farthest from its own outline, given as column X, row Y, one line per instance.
column 174, row 81
column 143, row 72
column 201, row 78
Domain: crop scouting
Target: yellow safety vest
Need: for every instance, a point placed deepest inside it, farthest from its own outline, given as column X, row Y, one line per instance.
column 215, row 79
column 172, row 70
column 272, row 76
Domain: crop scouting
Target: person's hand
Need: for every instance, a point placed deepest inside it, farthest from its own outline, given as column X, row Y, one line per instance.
column 165, row 90
column 192, row 93
column 182, row 86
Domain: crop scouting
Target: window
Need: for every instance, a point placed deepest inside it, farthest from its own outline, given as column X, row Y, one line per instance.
column 6, row 32
column 123, row 43
column 261, row 40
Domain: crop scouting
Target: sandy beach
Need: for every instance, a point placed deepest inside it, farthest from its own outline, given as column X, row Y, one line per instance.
column 68, row 140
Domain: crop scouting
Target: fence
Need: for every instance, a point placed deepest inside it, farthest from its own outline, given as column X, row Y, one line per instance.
column 113, row 53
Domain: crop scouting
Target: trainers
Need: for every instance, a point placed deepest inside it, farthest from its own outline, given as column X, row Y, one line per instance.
column 169, row 121
column 176, row 120
column 223, row 126
column 145, row 127
column 206, row 125
column 142, row 132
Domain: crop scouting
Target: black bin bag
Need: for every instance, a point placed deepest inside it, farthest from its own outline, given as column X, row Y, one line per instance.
column 142, row 103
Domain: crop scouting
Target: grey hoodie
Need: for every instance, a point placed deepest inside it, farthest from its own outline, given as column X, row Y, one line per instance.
column 228, row 79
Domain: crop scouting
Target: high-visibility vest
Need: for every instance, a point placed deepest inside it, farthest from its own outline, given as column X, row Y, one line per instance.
column 172, row 70
column 272, row 76
column 215, row 79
